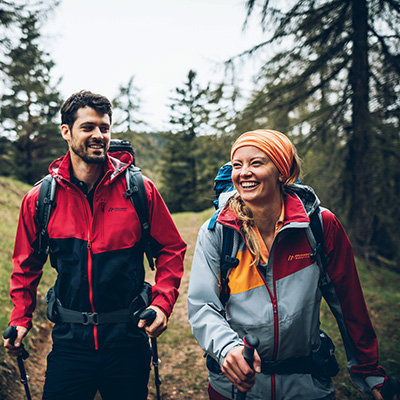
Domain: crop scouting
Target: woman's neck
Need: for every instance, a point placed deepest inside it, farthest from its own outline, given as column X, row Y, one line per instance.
column 265, row 217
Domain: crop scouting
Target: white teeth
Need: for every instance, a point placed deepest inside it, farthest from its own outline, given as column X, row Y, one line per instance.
column 249, row 184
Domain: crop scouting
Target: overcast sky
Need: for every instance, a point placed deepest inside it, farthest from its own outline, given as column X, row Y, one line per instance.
column 99, row 44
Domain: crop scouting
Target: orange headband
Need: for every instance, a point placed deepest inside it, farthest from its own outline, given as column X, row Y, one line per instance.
column 273, row 143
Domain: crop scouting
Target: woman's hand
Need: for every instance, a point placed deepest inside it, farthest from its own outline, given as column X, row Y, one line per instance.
column 236, row 369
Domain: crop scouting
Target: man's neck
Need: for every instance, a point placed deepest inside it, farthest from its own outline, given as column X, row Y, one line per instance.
column 85, row 172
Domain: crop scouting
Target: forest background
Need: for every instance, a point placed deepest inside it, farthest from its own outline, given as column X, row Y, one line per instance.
column 330, row 79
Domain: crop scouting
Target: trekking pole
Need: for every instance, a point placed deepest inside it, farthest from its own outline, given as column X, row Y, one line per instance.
column 11, row 334
column 251, row 342
column 390, row 388
column 149, row 315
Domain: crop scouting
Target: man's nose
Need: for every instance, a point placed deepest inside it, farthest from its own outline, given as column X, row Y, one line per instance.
column 97, row 133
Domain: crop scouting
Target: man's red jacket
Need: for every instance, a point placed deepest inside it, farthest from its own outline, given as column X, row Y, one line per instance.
column 97, row 255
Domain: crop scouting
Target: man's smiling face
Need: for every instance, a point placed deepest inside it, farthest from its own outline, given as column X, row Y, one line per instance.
column 89, row 137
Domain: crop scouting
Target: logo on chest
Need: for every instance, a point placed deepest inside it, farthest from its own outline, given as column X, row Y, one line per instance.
column 295, row 257
column 116, row 209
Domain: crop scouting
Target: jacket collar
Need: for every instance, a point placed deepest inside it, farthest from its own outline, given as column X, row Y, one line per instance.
column 113, row 166
column 300, row 202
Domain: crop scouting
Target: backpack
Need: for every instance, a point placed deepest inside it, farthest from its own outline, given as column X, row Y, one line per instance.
column 135, row 191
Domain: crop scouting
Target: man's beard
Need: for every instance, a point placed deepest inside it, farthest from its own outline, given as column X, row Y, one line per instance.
column 82, row 152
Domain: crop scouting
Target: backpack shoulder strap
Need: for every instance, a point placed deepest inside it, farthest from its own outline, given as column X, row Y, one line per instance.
column 136, row 191
column 44, row 206
column 230, row 245
column 315, row 237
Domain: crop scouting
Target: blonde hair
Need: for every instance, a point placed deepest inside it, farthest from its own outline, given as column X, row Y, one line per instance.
column 245, row 215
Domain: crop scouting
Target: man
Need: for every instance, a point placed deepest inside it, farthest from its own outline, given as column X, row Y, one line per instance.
column 94, row 239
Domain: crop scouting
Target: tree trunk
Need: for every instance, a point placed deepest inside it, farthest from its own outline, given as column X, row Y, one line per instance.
column 361, row 202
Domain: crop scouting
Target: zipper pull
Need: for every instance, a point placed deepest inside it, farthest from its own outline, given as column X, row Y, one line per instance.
column 275, row 307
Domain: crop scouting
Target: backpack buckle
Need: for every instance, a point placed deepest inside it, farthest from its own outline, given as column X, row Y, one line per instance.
column 315, row 252
column 90, row 318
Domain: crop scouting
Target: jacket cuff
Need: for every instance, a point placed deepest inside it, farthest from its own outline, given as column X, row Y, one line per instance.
column 227, row 349
column 374, row 381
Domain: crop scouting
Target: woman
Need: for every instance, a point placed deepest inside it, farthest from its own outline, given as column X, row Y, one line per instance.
column 274, row 290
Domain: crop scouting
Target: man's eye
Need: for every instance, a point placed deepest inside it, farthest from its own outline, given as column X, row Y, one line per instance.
column 105, row 130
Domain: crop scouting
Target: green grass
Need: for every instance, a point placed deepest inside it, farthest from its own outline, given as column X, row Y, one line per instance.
column 11, row 193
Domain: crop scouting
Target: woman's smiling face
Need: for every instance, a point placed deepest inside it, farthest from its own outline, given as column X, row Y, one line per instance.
column 255, row 176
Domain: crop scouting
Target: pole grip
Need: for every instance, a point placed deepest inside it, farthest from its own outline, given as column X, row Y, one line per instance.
column 251, row 342
column 149, row 315
column 11, row 334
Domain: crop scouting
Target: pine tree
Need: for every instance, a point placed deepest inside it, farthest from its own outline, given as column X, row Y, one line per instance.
column 128, row 105
column 8, row 16
column 188, row 162
column 30, row 104
column 335, row 83
column 180, row 164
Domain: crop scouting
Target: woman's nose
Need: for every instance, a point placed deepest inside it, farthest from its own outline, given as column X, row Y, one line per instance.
column 245, row 170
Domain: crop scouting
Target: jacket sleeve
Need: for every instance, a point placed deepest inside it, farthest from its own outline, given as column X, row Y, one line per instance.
column 27, row 264
column 209, row 327
column 346, row 300
column 169, row 251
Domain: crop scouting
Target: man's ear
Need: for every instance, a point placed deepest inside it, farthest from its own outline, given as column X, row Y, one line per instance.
column 66, row 132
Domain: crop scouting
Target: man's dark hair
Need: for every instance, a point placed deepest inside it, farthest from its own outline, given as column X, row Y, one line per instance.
column 83, row 99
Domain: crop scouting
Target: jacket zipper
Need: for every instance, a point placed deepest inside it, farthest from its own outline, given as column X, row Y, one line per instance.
column 274, row 305
column 90, row 283
column 103, row 206
column 276, row 324
column 90, row 269
column 276, row 330
column 276, row 321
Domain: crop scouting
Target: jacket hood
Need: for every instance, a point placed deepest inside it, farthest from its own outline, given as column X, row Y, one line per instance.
column 307, row 196
column 116, row 164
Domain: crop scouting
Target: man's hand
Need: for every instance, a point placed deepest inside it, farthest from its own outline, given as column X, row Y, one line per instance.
column 236, row 369
column 15, row 350
column 158, row 326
